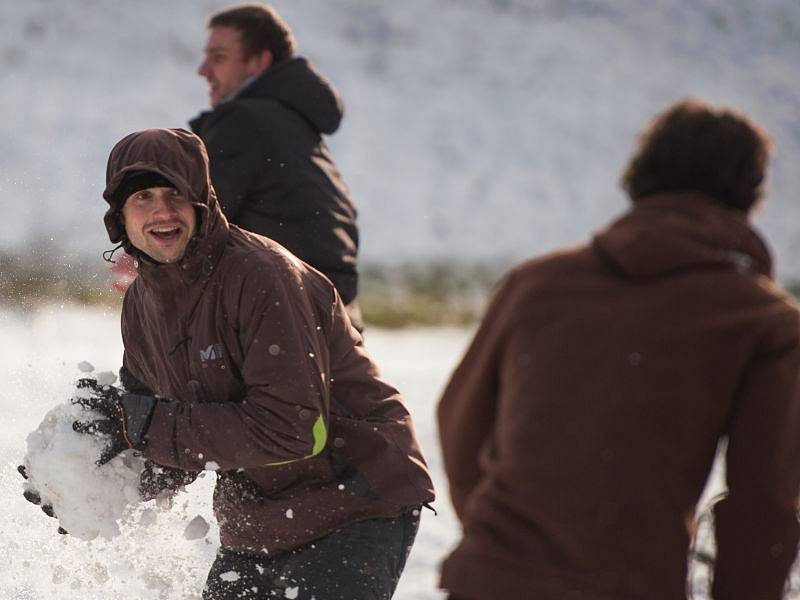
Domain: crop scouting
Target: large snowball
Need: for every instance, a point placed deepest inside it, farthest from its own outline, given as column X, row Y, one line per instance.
column 61, row 465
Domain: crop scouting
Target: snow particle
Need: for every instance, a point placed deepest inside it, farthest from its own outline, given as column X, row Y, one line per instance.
column 106, row 378
column 230, row 576
column 100, row 573
column 274, row 349
column 148, row 518
column 211, row 466
column 85, row 367
column 290, row 514
column 196, row 529
column 59, row 575
column 291, row 592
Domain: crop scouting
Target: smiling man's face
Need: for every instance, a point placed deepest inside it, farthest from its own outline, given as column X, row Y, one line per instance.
column 159, row 221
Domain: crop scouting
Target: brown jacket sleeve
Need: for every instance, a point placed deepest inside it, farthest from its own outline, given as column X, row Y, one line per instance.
column 757, row 525
column 467, row 409
column 284, row 414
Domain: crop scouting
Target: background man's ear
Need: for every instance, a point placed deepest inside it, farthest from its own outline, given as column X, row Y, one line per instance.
column 264, row 60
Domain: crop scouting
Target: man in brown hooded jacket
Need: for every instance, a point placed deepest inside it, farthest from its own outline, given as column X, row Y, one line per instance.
column 241, row 359
column 582, row 423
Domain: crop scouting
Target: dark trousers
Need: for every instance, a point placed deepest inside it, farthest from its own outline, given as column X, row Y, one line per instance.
column 362, row 561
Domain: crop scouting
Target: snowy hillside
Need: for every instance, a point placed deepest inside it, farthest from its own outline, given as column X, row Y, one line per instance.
column 466, row 118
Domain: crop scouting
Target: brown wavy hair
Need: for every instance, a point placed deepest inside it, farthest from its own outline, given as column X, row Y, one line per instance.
column 695, row 146
column 261, row 27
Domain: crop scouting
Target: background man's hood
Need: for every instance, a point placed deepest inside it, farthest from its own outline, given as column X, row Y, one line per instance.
column 299, row 86
column 671, row 232
column 177, row 155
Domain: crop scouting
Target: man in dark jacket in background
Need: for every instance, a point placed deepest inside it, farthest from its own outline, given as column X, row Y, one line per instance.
column 582, row 423
column 243, row 361
column 270, row 167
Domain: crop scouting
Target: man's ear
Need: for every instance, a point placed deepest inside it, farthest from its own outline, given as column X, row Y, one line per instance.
column 263, row 61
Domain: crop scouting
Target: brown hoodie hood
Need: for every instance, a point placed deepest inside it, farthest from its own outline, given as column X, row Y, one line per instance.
column 175, row 154
column 668, row 233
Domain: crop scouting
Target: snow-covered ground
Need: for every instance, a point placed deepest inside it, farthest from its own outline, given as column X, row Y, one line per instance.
column 40, row 352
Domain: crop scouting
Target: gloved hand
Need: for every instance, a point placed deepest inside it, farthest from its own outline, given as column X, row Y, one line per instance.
column 157, row 481
column 124, row 421
column 32, row 496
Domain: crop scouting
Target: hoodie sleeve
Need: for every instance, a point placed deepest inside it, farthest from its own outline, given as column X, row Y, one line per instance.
column 756, row 524
column 283, row 416
column 467, row 409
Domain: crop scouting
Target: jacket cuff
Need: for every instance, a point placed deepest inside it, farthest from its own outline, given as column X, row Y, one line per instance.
column 131, row 384
column 137, row 410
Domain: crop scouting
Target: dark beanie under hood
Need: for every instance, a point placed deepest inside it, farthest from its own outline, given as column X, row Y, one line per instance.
column 137, row 181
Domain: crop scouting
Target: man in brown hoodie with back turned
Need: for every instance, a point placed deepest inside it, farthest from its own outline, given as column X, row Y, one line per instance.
column 581, row 426
column 240, row 358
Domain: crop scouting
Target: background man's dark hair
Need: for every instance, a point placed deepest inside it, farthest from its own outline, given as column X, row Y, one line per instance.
column 694, row 146
column 261, row 27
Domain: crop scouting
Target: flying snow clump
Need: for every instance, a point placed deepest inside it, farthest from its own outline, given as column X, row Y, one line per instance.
column 196, row 529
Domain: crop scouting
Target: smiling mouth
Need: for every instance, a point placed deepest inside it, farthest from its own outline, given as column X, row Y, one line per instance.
column 167, row 234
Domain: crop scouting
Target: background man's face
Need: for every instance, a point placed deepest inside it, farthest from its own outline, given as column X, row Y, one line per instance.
column 224, row 66
column 160, row 222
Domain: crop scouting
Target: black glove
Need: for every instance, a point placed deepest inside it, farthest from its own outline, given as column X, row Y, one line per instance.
column 32, row 496
column 125, row 417
column 157, row 480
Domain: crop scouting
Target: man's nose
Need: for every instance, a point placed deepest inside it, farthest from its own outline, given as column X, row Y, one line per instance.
column 202, row 68
column 163, row 206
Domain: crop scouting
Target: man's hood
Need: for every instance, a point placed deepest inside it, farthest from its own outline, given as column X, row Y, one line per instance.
column 667, row 233
column 177, row 155
column 296, row 84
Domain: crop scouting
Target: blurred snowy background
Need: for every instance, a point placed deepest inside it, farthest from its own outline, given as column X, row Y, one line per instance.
column 476, row 130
